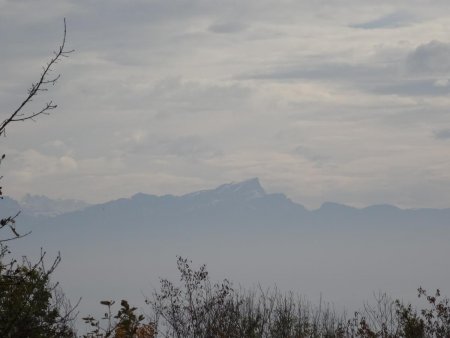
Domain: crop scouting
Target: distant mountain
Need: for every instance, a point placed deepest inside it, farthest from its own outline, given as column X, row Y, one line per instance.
column 229, row 207
column 233, row 207
column 39, row 205
column 243, row 230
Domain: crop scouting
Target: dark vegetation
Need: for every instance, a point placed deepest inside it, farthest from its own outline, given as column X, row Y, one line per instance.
column 32, row 305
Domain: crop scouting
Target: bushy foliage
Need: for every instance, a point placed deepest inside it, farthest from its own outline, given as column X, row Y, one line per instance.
column 30, row 305
column 125, row 324
column 199, row 308
column 436, row 317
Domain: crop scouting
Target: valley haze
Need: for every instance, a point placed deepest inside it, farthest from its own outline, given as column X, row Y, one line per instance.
column 337, row 252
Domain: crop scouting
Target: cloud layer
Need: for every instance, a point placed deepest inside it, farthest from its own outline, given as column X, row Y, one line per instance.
column 345, row 102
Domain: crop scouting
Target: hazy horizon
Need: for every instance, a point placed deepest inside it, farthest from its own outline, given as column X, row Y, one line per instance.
column 29, row 198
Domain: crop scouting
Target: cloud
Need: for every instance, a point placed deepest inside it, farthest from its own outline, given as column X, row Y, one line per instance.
column 407, row 87
column 311, row 155
column 182, row 96
column 443, row 134
column 420, row 72
column 324, row 71
column 227, row 28
column 68, row 163
column 432, row 58
column 190, row 147
column 34, row 165
column 441, row 82
column 393, row 20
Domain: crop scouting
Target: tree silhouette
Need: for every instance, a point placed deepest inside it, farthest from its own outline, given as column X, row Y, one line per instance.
column 20, row 114
column 30, row 304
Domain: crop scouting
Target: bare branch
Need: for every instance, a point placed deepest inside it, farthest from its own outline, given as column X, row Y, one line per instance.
column 44, row 81
column 39, row 86
column 9, row 222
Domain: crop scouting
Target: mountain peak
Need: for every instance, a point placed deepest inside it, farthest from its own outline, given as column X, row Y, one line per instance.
column 250, row 188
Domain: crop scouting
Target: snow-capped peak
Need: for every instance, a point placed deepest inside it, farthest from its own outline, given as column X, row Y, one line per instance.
column 250, row 188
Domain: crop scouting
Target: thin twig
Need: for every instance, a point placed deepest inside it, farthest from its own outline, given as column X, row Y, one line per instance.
column 39, row 86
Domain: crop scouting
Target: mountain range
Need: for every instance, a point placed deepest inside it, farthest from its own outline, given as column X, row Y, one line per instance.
column 231, row 206
column 121, row 247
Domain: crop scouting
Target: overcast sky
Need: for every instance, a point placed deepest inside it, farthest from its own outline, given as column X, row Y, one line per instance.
column 344, row 101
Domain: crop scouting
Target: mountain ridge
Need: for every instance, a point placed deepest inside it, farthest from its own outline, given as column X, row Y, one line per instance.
column 235, row 206
column 243, row 191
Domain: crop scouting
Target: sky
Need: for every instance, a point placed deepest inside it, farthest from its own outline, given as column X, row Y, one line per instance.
column 343, row 101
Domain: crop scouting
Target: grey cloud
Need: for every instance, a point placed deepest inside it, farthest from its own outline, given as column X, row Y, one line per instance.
column 443, row 134
column 430, row 58
column 414, row 117
column 393, row 20
column 377, row 79
column 227, row 28
column 311, row 155
column 55, row 148
column 325, row 71
column 408, row 87
column 176, row 96
column 190, row 147
column 392, row 76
